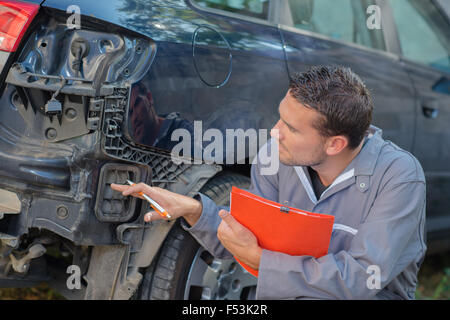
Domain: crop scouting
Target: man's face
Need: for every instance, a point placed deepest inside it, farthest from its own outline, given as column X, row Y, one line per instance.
column 300, row 144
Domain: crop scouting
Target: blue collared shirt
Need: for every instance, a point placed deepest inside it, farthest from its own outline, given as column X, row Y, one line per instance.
column 377, row 244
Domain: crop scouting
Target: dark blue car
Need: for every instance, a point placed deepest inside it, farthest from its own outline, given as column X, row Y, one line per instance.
column 94, row 93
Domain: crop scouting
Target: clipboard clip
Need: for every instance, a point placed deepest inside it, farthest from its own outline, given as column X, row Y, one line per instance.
column 284, row 209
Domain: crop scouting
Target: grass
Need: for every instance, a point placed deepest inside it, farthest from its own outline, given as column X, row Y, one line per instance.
column 40, row 292
column 434, row 283
column 434, row 278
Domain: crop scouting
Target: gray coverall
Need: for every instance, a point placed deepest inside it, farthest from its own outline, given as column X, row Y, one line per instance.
column 379, row 207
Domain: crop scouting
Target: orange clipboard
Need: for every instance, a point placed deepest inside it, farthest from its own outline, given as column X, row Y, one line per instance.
column 281, row 228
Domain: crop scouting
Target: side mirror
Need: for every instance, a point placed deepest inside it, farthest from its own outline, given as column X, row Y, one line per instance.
column 442, row 86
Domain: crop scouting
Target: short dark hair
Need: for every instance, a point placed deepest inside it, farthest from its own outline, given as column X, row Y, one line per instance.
column 339, row 95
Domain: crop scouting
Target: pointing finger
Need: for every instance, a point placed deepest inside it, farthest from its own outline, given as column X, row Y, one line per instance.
column 119, row 187
column 152, row 216
column 125, row 189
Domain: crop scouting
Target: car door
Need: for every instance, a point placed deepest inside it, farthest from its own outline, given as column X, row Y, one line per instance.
column 424, row 35
column 346, row 33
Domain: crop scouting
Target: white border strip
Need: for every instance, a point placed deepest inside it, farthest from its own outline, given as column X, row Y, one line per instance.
column 309, row 190
column 345, row 176
column 304, row 180
column 343, row 227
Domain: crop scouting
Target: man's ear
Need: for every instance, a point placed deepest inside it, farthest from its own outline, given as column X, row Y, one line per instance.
column 336, row 144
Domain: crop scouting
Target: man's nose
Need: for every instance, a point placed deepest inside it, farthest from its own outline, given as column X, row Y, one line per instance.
column 275, row 132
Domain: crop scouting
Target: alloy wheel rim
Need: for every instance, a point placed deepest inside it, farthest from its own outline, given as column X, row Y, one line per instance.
column 218, row 279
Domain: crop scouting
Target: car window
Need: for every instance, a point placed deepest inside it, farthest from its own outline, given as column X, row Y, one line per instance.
column 252, row 8
column 344, row 20
column 423, row 32
column 444, row 5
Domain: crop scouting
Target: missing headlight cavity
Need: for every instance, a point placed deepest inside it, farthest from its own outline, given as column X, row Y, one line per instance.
column 63, row 76
column 111, row 206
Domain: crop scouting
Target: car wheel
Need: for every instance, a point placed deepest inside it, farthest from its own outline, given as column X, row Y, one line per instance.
column 185, row 270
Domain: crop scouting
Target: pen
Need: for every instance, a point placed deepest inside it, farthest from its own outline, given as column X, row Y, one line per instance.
column 162, row 212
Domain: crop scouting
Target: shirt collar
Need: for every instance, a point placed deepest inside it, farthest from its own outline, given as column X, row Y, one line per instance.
column 361, row 167
column 364, row 163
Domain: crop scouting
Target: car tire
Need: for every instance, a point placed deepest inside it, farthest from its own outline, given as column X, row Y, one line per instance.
column 181, row 259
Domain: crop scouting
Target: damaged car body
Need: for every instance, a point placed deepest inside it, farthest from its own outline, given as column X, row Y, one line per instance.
column 68, row 133
column 84, row 107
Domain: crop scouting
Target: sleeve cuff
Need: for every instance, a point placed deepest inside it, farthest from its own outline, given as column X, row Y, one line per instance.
column 207, row 206
column 205, row 229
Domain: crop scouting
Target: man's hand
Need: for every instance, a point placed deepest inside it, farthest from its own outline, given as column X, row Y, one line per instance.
column 177, row 205
column 240, row 241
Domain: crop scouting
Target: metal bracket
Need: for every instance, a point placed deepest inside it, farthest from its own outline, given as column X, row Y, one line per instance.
column 22, row 265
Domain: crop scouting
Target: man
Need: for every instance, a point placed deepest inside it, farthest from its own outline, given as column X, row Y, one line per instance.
column 333, row 162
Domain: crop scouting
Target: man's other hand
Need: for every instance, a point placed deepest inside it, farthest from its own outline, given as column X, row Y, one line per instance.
column 240, row 241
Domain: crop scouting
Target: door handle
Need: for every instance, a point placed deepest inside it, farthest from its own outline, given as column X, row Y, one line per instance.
column 430, row 109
